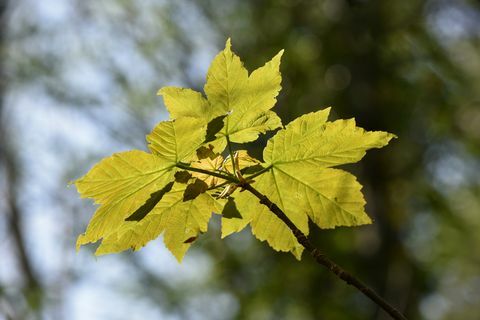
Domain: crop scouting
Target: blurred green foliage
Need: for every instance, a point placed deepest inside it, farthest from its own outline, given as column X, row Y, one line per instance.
column 407, row 67
column 411, row 68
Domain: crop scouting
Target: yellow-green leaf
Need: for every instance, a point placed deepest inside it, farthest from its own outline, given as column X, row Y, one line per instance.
column 121, row 184
column 250, row 125
column 301, row 183
column 246, row 99
column 181, row 102
column 125, row 181
column 253, row 117
column 310, row 139
column 177, row 219
column 330, row 197
column 177, row 140
column 226, row 85
column 211, row 165
column 242, row 159
column 264, row 224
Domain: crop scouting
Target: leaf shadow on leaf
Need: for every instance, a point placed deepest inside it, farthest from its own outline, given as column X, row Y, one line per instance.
column 182, row 177
column 213, row 128
column 194, row 190
column 204, row 152
column 148, row 206
column 230, row 210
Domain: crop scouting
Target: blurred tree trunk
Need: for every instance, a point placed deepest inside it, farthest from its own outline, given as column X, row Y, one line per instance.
column 10, row 173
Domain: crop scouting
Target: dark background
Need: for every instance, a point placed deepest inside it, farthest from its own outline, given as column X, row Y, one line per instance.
column 78, row 81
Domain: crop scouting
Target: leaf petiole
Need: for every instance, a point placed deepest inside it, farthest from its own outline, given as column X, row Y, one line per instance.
column 256, row 174
column 219, row 186
column 212, row 173
column 232, row 156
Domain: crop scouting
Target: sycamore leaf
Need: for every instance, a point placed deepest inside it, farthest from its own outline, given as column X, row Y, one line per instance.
column 301, row 183
column 121, row 184
column 310, row 139
column 181, row 102
column 126, row 181
column 250, row 125
column 330, row 197
column 248, row 99
column 238, row 104
column 211, row 165
column 227, row 81
column 300, row 156
column 177, row 140
column 265, row 225
column 177, row 219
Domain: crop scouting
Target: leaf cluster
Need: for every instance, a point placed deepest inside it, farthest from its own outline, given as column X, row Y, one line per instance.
column 192, row 170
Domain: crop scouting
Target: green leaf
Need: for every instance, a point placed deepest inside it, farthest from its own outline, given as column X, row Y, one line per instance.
column 227, row 81
column 265, row 225
column 301, row 183
column 310, row 139
column 330, row 197
column 125, row 182
column 238, row 105
column 249, row 125
column 177, row 140
column 211, row 165
column 121, row 184
column 247, row 99
column 177, row 219
column 181, row 102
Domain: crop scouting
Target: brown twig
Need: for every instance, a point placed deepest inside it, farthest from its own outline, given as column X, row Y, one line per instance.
column 305, row 242
column 324, row 260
